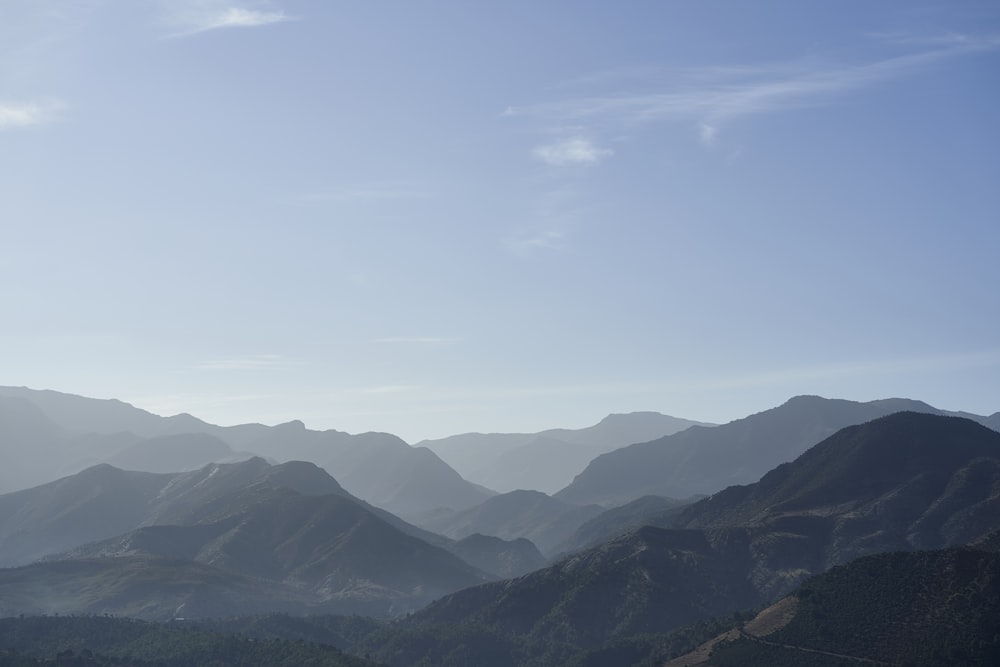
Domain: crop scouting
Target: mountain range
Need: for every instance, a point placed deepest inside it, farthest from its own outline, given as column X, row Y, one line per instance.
column 45, row 435
column 903, row 482
column 289, row 525
column 548, row 460
column 702, row 460
column 639, row 578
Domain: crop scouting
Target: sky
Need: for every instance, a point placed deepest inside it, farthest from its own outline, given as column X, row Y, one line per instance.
column 439, row 217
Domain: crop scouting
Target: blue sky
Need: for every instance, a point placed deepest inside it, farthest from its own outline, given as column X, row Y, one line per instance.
column 430, row 218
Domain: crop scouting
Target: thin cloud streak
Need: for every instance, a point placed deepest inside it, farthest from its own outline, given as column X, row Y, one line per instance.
column 728, row 93
column 199, row 20
column 574, row 151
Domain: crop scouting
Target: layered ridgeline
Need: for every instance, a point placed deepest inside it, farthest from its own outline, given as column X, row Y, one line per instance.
column 547, row 461
column 228, row 538
column 703, row 460
column 533, row 515
column 903, row 482
column 45, row 435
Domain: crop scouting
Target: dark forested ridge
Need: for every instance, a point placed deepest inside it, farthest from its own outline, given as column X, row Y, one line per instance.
column 922, row 608
column 72, row 641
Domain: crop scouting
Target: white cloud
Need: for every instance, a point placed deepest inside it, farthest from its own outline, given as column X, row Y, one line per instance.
column 16, row 115
column 202, row 16
column 576, row 150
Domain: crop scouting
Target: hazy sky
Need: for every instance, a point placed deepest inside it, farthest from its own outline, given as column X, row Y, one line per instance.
column 436, row 217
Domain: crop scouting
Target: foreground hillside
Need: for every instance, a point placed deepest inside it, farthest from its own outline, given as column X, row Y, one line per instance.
column 98, row 640
column 925, row 608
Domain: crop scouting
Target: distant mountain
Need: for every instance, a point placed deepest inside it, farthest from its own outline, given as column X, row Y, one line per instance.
column 902, row 482
column 547, row 461
column 288, row 523
column 377, row 467
column 46, row 435
column 920, row 608
column 329, row 546
column 545, row 521
column 703, row 460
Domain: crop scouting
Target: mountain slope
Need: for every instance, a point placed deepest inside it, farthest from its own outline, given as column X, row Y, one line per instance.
column 533, row 515
column 919, row 608
column 548, row 460
column 704, row 460
column 328, row 545
column 901, row 482
column 51, row 434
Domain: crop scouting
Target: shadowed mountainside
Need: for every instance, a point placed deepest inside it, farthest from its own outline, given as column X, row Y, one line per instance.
column 703, row 460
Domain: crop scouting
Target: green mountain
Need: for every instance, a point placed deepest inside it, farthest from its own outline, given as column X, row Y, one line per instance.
column 703, row 460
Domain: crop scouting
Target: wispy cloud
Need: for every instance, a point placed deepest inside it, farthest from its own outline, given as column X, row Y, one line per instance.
column 712, row 95
column 529, row 243
column 573, row 151
column 419, row 340
column 257, row 362
column 200, row 16
column 15, row 115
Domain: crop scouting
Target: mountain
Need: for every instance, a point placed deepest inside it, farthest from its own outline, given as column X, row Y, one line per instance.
column 329, row 546
column 648, row 581
column 505, row 558
column 544, row 520
column 289, row 523
column 148, row 588
column 704, row 460
column 609, row 524
column 920, row 608
column 377, row 467
column 97, row 503
column 902, row 482
column 46, row 435
column 548, row 460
